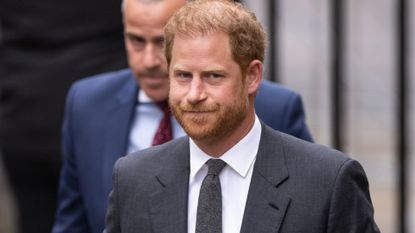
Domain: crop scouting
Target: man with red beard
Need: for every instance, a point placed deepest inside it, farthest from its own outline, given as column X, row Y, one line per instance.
column 232, row 173
column 112, row 114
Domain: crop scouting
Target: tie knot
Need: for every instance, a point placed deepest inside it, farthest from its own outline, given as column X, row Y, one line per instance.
column 215, row 166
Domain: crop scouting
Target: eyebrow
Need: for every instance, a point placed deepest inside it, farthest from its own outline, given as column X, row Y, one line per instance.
column 178, row 68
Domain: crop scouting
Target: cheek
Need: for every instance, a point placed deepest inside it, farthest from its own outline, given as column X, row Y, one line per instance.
column 133, row 55
column 134, row 60
column 174, row 92
column 128, row 48
column 226, row 94
column 178, row 92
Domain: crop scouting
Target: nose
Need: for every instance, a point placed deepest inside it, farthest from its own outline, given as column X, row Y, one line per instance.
column 196, row 91
column 152, row 57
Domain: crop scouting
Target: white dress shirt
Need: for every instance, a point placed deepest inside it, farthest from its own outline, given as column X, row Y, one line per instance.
column 235, row 179
column 146, row 122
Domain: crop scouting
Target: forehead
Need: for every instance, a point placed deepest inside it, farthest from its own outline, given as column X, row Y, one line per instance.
column 149, row 15
column 203, row 50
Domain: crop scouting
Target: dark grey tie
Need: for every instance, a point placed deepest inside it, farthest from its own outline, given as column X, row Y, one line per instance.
column 209, row 207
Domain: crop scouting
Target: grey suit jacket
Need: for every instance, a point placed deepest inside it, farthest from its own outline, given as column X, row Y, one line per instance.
column 296, row 187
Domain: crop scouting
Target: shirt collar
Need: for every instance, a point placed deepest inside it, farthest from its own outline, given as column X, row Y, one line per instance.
column 143, row 97
column 240, row 157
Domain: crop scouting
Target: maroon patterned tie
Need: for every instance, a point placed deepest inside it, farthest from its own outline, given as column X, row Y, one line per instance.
column 164, row 132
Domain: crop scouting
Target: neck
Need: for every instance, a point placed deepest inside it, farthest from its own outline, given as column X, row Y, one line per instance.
column 217, row 146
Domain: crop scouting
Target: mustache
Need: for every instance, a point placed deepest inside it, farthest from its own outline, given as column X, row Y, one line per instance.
column 153, row 73
column 186, row 107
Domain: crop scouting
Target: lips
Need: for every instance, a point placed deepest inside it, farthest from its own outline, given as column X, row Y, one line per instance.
column 197, row 113
column 199, row 116
column 153, row 75
column 154, row 81
column 198, row 110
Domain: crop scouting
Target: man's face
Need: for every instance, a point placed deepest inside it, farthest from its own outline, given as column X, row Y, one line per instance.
column 143, row 29
column 207, row 93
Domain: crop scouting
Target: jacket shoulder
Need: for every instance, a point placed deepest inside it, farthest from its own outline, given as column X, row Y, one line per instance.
column 104, row 81
column 155, row 159
column 268, row 88
column 101, row 90
column 303, row 156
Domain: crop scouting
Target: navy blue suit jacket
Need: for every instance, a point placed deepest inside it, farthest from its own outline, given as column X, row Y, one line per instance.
column 98, row 116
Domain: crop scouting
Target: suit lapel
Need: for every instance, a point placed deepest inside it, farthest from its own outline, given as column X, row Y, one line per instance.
column 266, row 204
column 168, row 205
column 119, row 117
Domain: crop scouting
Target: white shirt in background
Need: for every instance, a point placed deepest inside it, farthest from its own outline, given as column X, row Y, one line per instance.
column 147, row 118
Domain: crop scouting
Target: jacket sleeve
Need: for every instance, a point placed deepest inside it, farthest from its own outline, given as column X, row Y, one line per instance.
column 351, row 208
column 70, row 214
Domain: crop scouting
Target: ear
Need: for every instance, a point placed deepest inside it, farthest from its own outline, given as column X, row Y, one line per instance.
column 254, row 76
